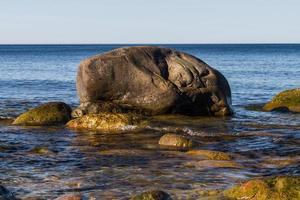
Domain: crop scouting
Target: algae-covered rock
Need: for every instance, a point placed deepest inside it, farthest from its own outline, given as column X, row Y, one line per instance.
column 52, row 113
column 107, row 122
column 275, row 188
column 286, row 100
column 175, row 140
column 40, row 150
column 152, row 195
column 211, row 155
column 211, row 195
column 210, row 164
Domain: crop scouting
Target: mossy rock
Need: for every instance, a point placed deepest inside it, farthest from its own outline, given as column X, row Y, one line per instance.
column 52, row 113
column 288, row 100
column 107, row 122
column 175, row 140
column 40, row 150
column 275, row 188
column 211, row 195
column 153, row 195
column 211, row 155
column 210, row 164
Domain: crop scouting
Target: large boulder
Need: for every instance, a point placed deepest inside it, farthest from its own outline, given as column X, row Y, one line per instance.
column 52, row 113
column 288, row 100
column 152, row 80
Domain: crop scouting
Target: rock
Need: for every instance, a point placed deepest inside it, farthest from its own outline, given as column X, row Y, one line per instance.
column 175, row 140
column 209, row 164
column 152, row 195
column 70, row 197
column 288, row 100
column 211, row 155
column 107, row 122
column 5, row 194
column 211, row 195
column 52, row 113
column 275, row 188
column 101, row 106
column 278, row 162
column 153, row 80
column 40, row 150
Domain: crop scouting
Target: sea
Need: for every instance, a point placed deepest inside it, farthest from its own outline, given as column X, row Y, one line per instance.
column 117, row 166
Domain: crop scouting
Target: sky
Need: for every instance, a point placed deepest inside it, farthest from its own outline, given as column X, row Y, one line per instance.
column 149, row 21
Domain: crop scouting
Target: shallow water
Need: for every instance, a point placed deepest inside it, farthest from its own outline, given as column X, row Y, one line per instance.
column 119, row 165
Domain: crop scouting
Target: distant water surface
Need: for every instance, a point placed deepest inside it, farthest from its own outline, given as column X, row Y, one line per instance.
column 32, row 74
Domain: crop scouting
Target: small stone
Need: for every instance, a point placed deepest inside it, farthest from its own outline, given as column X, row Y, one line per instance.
column 152, row 195
column 211, row 155
column 208, row 164
column 40, row 150
column 175, row 140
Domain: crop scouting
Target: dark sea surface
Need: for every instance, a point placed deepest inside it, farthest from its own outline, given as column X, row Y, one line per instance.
column 119, row 165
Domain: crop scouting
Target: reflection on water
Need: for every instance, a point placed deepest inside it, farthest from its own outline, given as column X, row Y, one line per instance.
column 47, row 162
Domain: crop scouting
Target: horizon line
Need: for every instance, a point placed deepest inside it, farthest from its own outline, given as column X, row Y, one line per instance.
column 246, row 43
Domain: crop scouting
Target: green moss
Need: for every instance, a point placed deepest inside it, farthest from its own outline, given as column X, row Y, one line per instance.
column 275, row 188
column 175, row 140
column 152, row 195
column 46, row 114
column 286, row 100
column 40, row 150
column 107, row 121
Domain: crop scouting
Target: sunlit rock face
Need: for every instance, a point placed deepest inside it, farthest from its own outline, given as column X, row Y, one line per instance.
column 153, row 81
column 288, row 100
column 107, row 122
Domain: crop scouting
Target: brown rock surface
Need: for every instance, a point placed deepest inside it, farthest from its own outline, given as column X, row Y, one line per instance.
column 153, row 80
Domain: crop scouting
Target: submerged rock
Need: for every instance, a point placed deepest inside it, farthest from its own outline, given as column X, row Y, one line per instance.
column 175, row 140
column 6, row 194
column 52, row 113
column 209, row 164
column 288, row 100
column 275, row 188
column 107, row 122
column 153, row 81
column 70, row 197
column 40, row 150
column 153, row 195
column 211, row 155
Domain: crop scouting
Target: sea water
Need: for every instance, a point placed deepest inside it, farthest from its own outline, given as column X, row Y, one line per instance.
column 117, row 166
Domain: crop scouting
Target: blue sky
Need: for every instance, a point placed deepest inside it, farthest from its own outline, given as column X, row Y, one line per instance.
column 149, row 21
